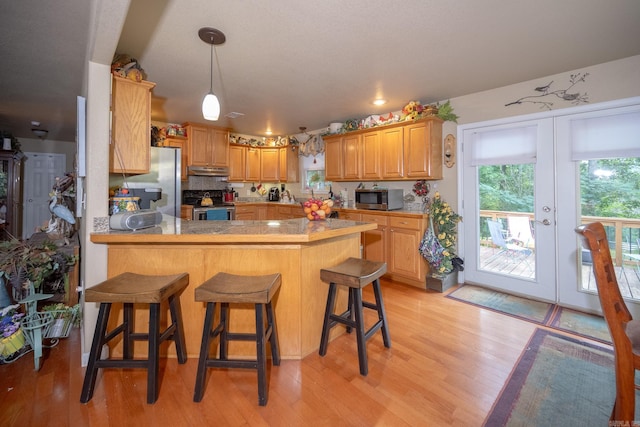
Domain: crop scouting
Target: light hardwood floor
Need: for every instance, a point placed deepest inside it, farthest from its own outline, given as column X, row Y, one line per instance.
column 447, row 365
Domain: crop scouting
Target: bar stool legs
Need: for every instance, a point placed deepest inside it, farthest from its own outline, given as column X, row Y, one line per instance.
column 153, row 291
column 355, row 274
column 224, row 289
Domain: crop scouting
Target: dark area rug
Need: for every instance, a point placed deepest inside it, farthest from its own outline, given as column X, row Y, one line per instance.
column 558, row 381
column 542, row 313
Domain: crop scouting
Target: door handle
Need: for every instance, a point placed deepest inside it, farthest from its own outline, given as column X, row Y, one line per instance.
column 544, row 222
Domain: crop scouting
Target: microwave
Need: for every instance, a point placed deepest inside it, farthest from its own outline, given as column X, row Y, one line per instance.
column 381, row 199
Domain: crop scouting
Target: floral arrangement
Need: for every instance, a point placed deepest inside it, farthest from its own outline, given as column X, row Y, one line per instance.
column 438, row 244
column 10, row 320
column 421, row 189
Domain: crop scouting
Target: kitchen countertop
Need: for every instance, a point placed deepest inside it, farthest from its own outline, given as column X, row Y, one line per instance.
column 404, row 211
column 175, row 230
column 296, row 248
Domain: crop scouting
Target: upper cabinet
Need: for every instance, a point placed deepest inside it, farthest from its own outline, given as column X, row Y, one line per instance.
column 208, row 145
column 256, row 164
column 401, row 151
column 130, row 126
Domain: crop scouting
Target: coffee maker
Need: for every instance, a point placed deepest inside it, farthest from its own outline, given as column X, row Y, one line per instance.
column 274, row 194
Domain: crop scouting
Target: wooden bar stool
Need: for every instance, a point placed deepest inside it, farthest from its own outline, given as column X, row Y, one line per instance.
column 230, row 288
column 355, row 273
column 130, row 289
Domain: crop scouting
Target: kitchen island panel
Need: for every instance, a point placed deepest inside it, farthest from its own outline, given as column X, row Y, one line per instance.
column 299, row 304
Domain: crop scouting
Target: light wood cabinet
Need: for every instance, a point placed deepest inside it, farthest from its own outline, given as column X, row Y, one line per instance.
column 252, row 172
column 186, row 212
column 130, row 147
column 289, row 165
column 237, row 163
column 404, row 259
column 270, row 164
column 395, row 241
column 423, row 150
column 400, row 151
column 180, row 142
column 245, row 213
column 352, row 157
column 333, row 158
column 371, row 156
column 263, row 164
column 375, row 241
column 208, row 145
column 391, row 153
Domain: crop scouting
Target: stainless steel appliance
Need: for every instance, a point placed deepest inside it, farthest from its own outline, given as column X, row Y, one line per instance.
column 214, row 213
column 382, row 199
column 274, row 194
column 219, row 210
column 160, row 188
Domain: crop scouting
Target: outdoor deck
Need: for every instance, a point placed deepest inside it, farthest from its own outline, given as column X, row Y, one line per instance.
column 492, row 260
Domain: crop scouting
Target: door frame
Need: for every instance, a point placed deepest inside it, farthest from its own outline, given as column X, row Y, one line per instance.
column 565, row 224
column 543, row 285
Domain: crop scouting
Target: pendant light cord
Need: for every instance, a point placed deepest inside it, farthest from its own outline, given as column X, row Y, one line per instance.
column 211, row 87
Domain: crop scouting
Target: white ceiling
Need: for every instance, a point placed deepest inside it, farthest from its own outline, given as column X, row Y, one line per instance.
column 292, row 63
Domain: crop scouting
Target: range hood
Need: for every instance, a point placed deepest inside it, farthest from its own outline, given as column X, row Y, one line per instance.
column 208, row 171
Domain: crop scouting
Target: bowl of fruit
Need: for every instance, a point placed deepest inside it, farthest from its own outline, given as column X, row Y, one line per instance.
column 317, row 209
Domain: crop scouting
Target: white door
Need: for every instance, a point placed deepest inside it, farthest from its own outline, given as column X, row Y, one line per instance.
column 40, row 172
column 600, row 149
column 561, row 165
column 507, row 174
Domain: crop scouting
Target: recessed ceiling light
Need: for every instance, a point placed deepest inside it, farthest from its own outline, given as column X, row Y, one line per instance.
column 268, row 132
column 379, row 102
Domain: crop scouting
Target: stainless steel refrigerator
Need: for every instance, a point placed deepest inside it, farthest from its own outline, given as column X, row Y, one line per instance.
column 164, row 174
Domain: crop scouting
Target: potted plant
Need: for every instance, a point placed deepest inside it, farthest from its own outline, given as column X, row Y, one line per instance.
column 439, row 243
column 22, row 263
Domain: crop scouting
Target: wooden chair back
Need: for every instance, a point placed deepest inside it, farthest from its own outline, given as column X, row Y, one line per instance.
column 617, row 316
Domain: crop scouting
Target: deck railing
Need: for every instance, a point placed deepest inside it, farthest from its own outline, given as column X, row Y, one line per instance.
column 625, row 237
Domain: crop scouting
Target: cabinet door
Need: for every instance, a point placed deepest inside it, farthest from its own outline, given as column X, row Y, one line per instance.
column 289, row 165
column 371, row 155
column 253, row 164
column 352, row 161
column 333, row 159
column 219, row 139
column 270, row 164
column 375, row 241
column 130, row 126
column 245, row 213
column 199, row 146
column 404, row 258
column 391, row 153
column 237, row 163
column 423, row 150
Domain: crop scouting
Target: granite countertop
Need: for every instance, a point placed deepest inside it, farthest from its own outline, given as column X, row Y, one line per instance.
column 174, row 230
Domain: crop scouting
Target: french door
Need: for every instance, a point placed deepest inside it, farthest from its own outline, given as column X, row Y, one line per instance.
column 500, row 161
column 541, row 159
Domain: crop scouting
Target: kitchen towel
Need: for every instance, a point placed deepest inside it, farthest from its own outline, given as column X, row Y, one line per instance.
column 217, row 214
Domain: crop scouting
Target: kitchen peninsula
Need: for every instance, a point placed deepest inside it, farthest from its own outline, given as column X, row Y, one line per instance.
column 296, row 248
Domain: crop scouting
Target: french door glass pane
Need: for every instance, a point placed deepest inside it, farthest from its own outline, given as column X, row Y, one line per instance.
column 610, row 193
column 506, row 200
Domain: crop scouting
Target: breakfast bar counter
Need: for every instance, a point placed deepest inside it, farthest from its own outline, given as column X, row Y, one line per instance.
column 295, row 248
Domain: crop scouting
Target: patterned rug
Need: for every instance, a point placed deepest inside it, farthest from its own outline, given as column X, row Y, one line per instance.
column 579, row 323
column 522, row 308
column 542, row 313
column 558, row 381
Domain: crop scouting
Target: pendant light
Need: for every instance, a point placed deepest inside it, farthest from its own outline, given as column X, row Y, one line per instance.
column 210, row 104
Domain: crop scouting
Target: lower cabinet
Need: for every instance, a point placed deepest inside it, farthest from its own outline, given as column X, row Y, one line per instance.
column 396, row 242
column 375, row 241
column 245, row 212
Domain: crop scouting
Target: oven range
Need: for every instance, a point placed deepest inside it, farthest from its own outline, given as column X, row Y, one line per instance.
column 218, row 210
